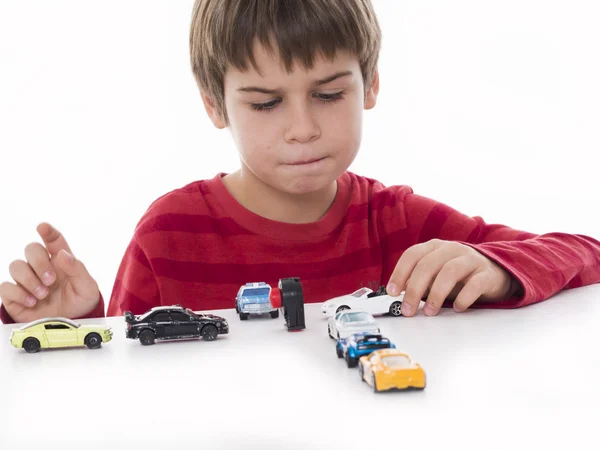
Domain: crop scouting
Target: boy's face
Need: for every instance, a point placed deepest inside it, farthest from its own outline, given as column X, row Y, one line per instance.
column 296, row 132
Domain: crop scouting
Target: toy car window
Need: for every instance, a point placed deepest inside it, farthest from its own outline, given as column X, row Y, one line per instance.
column 344, row 318
column 56, row 326
column 180, row 316
column 161, row 317
column 396, row 362
column 359, row 293
column 358, row 317
column 254, row 292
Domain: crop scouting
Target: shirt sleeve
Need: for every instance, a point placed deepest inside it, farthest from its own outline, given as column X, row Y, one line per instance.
column 542, row 264
column 135, row 288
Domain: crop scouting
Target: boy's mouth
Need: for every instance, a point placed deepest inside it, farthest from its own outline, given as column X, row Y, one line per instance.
column 308, row 161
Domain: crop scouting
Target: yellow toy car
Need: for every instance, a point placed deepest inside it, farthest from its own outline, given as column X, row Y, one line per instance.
column 57, row 332
column 390, row 368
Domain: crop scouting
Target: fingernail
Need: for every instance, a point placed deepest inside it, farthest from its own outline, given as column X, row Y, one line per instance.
column 48, row 278
column 407, row 309
column 428, row 309
column 40, row 291
column 392, row 289
column 30, row 301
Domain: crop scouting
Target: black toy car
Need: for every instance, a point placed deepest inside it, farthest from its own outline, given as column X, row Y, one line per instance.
column 173, row 322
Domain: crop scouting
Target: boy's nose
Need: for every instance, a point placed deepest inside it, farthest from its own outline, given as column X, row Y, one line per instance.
column 302, row 126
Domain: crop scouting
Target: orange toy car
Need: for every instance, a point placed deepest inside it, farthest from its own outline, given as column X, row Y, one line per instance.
column 390, row 368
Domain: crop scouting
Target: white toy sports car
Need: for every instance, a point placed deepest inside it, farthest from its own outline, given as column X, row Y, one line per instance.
column 378, row 302
column 347, row 322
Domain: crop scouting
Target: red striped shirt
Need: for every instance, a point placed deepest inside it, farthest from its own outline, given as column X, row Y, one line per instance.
column 197, row 245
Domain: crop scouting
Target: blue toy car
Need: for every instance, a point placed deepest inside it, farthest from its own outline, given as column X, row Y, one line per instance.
column 254, row 299
column 360, row 344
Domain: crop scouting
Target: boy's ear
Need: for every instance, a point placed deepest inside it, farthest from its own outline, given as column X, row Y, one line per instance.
column 213, row 112
column 372, row 92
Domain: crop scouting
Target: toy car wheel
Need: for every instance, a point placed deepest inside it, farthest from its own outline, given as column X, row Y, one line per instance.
column 350, row 361
column 361, row 372
column 329, row 332
column 93, row 340
column 338, row 351
column 209, row 332
column 147, row 337
column 342, row 308
column 243, row 316
column 395, row 309
column 275, row 314
column 237, row 309
column 31, row 345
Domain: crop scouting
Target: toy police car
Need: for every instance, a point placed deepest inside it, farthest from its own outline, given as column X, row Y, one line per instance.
column 253, row 299
column 173, row 322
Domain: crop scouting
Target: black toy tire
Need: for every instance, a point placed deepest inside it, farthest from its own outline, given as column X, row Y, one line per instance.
column 275, row 314
column 395, row 309
column 342, row 308
column 350, row 362
column 209, row 332
column 361, row 372
column 147, row 337
column 243, row 316
column 93, row 341
column 31, row 345
column 338, row 352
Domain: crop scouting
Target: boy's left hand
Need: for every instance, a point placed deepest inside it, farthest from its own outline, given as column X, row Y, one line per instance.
column 441, row 269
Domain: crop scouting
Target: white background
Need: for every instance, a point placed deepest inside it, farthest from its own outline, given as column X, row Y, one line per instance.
column 488, row 106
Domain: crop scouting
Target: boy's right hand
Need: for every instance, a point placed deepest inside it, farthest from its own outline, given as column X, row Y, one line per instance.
column 50, row 283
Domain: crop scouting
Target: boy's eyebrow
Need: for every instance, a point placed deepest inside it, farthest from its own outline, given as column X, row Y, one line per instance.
column 320, row 82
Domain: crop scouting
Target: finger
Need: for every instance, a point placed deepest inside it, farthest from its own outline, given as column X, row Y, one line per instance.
column 473, row 289
column 423, row 275
column 453, row 272
column 39, row 260
column 15, row 298
column 53, row 239
column 24, row 275
column 406, row 264
column 82, row 282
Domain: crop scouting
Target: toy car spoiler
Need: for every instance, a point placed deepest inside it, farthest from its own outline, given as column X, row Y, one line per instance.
column 129, row 317
column 366, row 337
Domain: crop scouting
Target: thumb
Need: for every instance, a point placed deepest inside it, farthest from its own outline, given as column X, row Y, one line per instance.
column 75, row 270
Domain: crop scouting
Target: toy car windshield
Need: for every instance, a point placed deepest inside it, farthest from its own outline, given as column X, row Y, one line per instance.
column 359, row 317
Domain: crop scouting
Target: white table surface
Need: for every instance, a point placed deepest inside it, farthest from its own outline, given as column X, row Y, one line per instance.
column 519, row 378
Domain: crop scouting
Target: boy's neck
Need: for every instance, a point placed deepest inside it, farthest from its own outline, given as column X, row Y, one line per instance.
column 267, row 202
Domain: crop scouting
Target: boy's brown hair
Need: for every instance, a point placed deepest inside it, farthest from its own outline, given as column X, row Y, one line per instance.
column 223, row 33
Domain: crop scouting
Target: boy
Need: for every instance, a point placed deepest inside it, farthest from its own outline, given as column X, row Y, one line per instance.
column 290, row 80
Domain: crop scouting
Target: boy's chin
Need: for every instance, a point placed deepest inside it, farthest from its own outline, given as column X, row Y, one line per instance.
column 305, row 185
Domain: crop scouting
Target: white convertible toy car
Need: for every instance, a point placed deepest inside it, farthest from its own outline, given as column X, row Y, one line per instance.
column 365, row 299
column 347, row 322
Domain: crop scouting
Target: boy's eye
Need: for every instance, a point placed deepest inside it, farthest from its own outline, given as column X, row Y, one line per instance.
column 330, row 97
column 265, row 106
column 273, row 103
